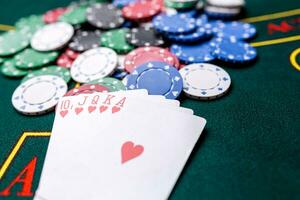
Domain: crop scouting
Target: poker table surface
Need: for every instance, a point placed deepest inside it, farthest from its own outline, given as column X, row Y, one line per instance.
column 250, row 148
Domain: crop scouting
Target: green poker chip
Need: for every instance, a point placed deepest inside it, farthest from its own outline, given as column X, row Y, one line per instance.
column 76, row 15
column 30, row 59
column 9, row 69
column 30, row 24
column 12, row 42
column 64, row 73
column 111, row 84
column 115, row 39
column 179, row 5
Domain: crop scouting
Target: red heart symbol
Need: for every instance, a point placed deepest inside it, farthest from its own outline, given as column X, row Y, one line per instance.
column 91, row 109
column 63, row 113
column 129, row 151
column 103, row 108
column 115, row 109
column 78, row 110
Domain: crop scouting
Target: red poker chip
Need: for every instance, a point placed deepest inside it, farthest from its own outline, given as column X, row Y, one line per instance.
column 146, row 54
column 141, row 10
column 86, row 89
column 72, row 54
column 52, row 16
column 64, row 61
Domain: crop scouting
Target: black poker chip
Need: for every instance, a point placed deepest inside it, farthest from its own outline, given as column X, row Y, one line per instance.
column 144, row 36
column 104, row 16
column 84, row 40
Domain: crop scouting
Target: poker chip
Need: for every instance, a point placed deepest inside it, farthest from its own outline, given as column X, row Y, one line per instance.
column 50, row 70
column 234, row 51
column 84, row 40
column 75, row 15
column 29, row 58
column 219, row 12
column 111, row 84
column 179, row 5
column 94, row 64
column 105, row 16
column 174, row 24
column 200, row 52
column 146, row 76
column 141, row 10
column 52, row 16
column 198, row 35
column 9, row 69
column 30, row 24
column 226, row 3
column 52, row 37
column 64, row 61
column 115, row 39
column 146, row 54
column 72, row 54
column 12, row 42
column 238, row 30
column 86, row 89
column 122, row 3
column 121, row 59
column 119, row 74
column 201, row 20
column 204, row 81
column 144, row 36
column 30, row 97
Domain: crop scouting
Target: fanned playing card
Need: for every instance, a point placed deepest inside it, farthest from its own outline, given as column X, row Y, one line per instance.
column 117, row 146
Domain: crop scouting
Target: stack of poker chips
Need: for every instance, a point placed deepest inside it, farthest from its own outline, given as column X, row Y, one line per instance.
column 168, row 47
column 224, row 9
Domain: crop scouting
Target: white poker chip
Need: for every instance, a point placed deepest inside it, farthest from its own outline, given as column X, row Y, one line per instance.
column 52, row 37
column 204, row 81
column 94, row 64
column 226, row 3
column 39, row 94
column 221, row 10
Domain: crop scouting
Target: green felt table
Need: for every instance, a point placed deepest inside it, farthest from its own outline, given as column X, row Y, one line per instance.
column 250, row 148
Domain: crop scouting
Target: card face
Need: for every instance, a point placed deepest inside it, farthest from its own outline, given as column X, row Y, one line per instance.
column 130, row 150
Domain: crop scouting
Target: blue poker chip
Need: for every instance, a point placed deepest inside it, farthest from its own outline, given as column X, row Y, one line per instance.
column 224, row 16
column 234, row 51
column 173, row 11
column 158, row 78
column 239, row 30
column 191, row 13
column 201, row 20
column 122, row 3
column 198, row 35
column 128, row 24
column 212, row 27
column 174, row 24
column 198, row 53
column 118, row 74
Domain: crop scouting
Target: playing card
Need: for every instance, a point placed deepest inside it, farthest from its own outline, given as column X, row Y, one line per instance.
column 123, row 149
